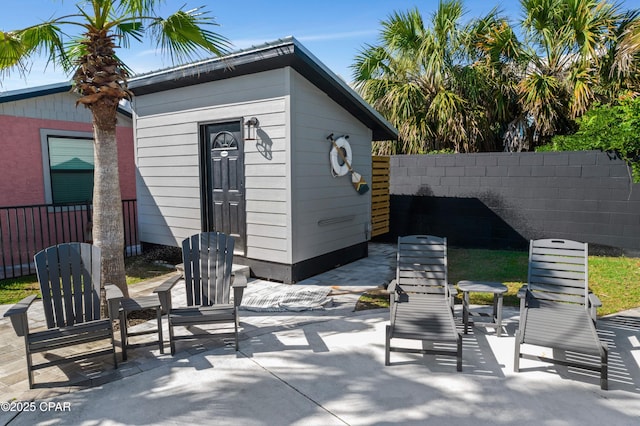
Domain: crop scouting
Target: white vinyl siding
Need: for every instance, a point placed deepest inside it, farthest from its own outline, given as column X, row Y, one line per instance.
column 295, row 209
column 326, row 211
column 167, row 155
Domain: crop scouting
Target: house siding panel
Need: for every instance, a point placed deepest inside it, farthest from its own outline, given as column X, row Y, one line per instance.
column 167, row 147
column 319, row 199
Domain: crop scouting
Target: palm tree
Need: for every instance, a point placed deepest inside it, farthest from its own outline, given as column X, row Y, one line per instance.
column 494, row 50
column 421, row 79
column 567, row 50
column 619, row 70
column 100, row 78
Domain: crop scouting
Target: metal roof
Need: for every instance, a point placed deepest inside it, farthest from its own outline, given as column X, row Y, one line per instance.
column 34, row 92
column 49, row 89
column 273, row 55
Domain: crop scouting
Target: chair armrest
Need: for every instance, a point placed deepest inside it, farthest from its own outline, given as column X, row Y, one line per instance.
column 167, row 284
column 453, row 291
column 594, row 303
column 164, row 291
column 18, row 315
column 239, row 284
column 522, row 293
column 114, row 296
column 394, row 295
column 594, row 300
column 239, row 281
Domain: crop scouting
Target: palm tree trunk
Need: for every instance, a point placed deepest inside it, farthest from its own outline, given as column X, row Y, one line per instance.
column 108, row 231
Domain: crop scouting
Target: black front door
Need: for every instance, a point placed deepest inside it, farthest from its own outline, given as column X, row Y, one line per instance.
column 223, row 181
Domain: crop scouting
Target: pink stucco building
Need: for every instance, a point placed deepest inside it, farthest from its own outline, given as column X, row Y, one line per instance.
column 47, row 159
column 28, row 119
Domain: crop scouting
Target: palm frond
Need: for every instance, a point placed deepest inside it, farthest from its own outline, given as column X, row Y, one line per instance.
column 129, row 30
column 371, row 62
column 135, row 8
column 184, row 35
column 624, row 53
column 17, row 47
column 13, row 53
column 541, row 96
column 402, row 32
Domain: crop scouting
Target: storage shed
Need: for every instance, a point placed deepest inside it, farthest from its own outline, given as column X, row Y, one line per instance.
column 239, row 145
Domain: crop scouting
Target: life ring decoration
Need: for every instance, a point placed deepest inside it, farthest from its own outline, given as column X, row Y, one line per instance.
column 338, row 169
column 342, row 149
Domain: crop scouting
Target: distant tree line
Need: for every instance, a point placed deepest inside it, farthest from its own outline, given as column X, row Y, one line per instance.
column 488, row 85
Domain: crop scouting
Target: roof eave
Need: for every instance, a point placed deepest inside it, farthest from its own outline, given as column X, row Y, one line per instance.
column 50, row 89
column 288, row 52
column 34, row 92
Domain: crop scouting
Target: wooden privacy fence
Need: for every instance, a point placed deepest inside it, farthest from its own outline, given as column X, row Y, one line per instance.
column 380, row 203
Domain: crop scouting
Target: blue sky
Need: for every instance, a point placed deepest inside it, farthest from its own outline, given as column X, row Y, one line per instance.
column 333, row 30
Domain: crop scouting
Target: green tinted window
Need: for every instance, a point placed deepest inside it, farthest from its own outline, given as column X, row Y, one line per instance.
column 71, row 167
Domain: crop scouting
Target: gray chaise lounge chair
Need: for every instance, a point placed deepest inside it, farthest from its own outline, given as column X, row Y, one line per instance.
column 421, row 299
column 557, row 310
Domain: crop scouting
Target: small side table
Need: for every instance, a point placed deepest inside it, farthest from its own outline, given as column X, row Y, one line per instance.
column 139, row 304
column 498, row 290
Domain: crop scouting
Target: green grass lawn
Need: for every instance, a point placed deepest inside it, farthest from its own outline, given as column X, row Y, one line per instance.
column 615, row 280
column 507, row 267
column 138, row 268
column 13, row 290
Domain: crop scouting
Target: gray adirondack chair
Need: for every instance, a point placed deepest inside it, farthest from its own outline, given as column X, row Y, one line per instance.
column 69, row 276
column 558, row 311
column 208, row 261
column 421, row 299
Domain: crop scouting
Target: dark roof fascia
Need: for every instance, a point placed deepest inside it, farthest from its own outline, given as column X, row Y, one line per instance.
column 34, row 92
column 288, row 52
column 242, row 63
column 50, row 89
column 338, row 90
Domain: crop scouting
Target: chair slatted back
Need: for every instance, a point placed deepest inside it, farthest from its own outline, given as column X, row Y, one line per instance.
column 558, row 271
column 69, row 277
column 208, row 260
column 422, row 264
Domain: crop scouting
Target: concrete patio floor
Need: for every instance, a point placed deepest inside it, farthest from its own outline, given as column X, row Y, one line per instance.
column 327, row 367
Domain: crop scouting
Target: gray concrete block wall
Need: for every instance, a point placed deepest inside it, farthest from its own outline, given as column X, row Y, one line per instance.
column 502, row 200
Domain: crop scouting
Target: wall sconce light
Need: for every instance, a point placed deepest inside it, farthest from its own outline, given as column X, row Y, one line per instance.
column 252, row 129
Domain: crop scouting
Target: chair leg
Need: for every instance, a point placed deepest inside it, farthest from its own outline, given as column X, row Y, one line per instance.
column 516, row 356
column 604, row 371
column 160, row 338
column 29, row 362
column 113, row 348
column 387, row 347
column 172, row 342
column 123, row 334
column 459, row 354
column 236, row 323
